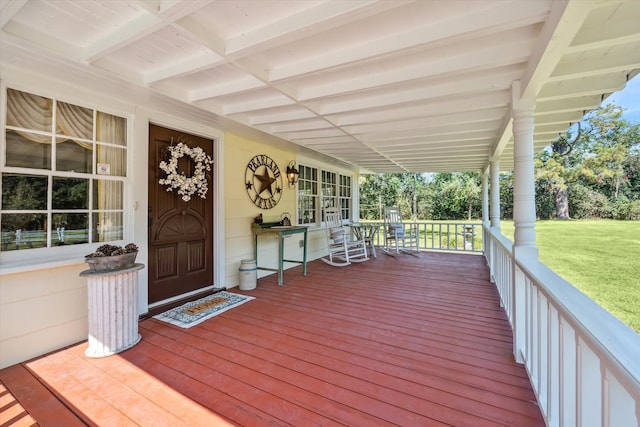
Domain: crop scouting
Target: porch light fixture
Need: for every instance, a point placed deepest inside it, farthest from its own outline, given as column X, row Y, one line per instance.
column 292, row 174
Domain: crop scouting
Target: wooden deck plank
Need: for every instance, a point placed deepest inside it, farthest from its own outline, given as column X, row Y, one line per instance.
column 34, row 399
column 392, row 341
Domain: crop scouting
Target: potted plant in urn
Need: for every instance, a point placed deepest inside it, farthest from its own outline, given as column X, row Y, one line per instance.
column 110, row 257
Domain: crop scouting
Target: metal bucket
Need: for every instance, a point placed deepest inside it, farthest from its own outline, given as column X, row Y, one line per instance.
column 248, row 274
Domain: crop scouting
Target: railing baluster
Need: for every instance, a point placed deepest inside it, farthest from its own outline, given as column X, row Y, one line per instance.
column 581, row 361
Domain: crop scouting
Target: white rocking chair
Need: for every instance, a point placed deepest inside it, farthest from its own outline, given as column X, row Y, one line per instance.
column 342, row 249
column 398, row 236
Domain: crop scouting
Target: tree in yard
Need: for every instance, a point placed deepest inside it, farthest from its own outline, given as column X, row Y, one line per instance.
column 378, row 191
column 555, row 168
column 457, row 195
column 595, row 156
column 610, row 141
column 399, row 189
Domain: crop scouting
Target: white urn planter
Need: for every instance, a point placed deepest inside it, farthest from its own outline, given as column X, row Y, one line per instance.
column 112, row 285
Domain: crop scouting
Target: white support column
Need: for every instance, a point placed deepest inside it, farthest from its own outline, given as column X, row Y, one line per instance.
column 524, row 195
column 486, row 242
column 485, row 197
column 524, row 213
column 495, row 194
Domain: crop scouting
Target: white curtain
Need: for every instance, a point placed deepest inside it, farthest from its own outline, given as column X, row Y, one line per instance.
column 32, row 112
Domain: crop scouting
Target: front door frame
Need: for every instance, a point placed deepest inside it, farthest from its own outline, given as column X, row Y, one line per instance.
column 139, row 195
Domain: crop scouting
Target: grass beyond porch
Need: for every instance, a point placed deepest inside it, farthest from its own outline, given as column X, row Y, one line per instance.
column 599, row 257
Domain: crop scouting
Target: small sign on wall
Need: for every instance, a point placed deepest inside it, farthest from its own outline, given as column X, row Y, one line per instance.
column 104, row 169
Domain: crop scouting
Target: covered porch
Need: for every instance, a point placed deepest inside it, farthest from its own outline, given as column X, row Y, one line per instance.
column 393, row 341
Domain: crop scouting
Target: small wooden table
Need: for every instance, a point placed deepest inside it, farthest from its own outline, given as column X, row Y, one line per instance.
column 367, row 232
column 281, row 232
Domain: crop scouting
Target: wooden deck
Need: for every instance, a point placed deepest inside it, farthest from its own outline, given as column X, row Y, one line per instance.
column 412, row 341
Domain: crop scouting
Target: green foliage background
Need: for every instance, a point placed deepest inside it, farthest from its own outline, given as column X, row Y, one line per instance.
column 598, row 168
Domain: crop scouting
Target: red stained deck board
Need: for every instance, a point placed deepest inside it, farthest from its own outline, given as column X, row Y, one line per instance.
column 41, row 403
column 393, row 341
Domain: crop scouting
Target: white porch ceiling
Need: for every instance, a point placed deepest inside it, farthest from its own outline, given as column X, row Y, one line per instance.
column 388, row 86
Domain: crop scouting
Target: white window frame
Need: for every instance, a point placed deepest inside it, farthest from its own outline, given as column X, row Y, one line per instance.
column 340, row 187
column 52, row 256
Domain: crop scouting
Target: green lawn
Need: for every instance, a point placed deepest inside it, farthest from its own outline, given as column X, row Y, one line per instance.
column 599, row 257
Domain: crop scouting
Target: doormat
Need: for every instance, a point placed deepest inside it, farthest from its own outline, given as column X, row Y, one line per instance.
column 194, row 312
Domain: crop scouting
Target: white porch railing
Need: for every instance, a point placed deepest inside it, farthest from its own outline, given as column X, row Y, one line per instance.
column 583, row 363
column 443, row 236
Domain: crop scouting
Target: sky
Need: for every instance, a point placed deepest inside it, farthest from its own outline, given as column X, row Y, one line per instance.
column 629, row 99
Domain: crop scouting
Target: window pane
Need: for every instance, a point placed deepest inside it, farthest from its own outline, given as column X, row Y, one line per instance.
column 28, row 150
column 28, row 111
column 24, row 192
column 70, row 193
column 111, row 129
column 23, row 231
column 107, row 195
column 69, row 229
column 74, row 156
column 73, row 120
column 114, row 159
column 306, row 212
column 107, row 226
column 46, row 134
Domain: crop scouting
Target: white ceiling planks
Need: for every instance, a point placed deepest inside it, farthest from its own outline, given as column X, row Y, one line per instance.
column 384, row 85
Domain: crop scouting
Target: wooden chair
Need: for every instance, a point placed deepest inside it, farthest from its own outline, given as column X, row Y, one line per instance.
column 399, row 236
column 343, row 250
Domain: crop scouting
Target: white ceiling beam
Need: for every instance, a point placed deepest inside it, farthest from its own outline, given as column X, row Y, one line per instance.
column 424, row 109
column 462, row 85
column 182, row 68
column 313, row 20
column 40, row 41
column 495, row 16
column 474, row 116
column 505, row 134
column 598, row 62
column 317, row 133
column 512, row 52
column 456, row 128
column 293, row 126
column 558, row 118
column 435, row 143
column 580, row 103
column 327, row 140
column 589, row 85
column 198, row 33
column 276, row 115
column 562, row 25
column 123, row 36
column 257, row 103
column 223, row 88
column 610, row 24
column 9, row 10
column 476, row 152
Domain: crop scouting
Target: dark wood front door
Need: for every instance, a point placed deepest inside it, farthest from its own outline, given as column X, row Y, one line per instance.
column 180, row 232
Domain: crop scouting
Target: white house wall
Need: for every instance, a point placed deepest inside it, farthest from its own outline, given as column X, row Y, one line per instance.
column 41, row 311
column 240, row 211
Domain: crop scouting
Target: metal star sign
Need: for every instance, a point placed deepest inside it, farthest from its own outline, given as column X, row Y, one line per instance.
column 266, row 181
column 263, row 182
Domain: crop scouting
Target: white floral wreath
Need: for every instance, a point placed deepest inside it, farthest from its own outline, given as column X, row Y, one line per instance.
column 187, row 187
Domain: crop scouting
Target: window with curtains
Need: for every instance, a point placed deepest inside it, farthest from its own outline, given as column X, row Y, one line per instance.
column 344, row 195
column 335, row 190
column 63, row 174
column 307, row 195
